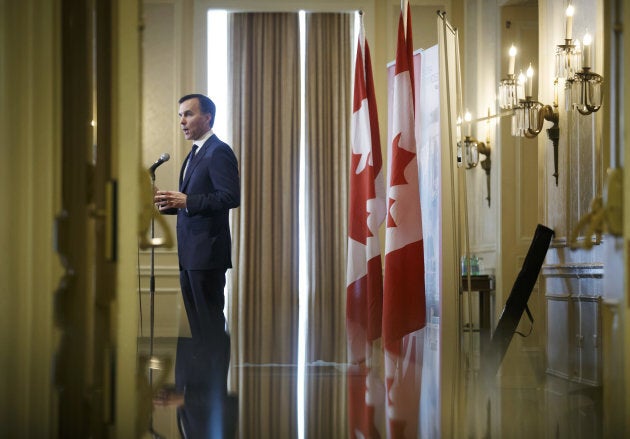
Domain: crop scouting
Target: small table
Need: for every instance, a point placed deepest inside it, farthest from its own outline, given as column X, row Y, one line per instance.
column 484, row 284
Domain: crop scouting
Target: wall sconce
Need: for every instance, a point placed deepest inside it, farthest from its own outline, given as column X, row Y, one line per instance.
column 585, row 85
column 528, row 122
column 470, row 148
column 530, row 115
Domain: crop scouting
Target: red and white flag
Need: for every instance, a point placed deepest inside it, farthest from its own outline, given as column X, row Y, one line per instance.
column 404, row 303
column 364, row 299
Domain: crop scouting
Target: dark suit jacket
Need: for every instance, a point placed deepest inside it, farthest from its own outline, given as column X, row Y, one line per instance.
column 212, row 187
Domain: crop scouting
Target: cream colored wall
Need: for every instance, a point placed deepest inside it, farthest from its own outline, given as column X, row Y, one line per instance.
column 572, row 279
column 166, row 75
column 479, row 79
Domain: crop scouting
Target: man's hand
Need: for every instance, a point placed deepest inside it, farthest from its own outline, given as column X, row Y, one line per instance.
column 170, row 200
column 168, row 396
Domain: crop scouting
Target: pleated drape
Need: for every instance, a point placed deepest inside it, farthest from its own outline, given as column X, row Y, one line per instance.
column 328, row 112
column 264, row 77
column 263, row 301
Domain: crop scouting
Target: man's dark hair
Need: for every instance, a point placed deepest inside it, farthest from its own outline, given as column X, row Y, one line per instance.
column 205, row 105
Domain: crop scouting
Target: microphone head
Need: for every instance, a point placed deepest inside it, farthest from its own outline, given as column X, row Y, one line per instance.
column 165, row 157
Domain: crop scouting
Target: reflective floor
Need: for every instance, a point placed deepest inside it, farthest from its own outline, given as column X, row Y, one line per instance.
column 524, row 399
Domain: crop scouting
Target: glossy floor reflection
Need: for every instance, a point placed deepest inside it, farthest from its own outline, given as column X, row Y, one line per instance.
column 523, row 400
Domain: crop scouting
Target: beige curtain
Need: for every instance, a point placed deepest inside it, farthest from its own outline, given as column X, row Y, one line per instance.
column 328, row 112
column 263, row 305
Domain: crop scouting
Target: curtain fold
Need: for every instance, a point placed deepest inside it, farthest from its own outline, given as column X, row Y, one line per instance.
column 328, row 112
column 264, row 74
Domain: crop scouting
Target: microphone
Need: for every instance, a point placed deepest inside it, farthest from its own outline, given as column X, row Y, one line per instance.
column 163, row 158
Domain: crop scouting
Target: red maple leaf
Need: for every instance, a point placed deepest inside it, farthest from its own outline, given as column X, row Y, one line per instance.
column 363, row 190
column 400, row 159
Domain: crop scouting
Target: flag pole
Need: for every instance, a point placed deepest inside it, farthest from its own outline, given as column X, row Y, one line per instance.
column 362, row 36
column 403, row 7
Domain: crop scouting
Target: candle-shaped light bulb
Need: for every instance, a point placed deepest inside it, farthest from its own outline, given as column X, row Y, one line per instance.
column 530, row 81
column 587, row 41
column 468, row 118
column 512, row 54
column 569, row 13
column 520, row 89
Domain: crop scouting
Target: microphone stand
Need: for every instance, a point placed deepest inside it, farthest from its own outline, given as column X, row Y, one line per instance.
column 154, row 363
column 152, row 287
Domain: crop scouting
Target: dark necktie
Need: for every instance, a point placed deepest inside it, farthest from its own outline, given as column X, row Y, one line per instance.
column 190, row 158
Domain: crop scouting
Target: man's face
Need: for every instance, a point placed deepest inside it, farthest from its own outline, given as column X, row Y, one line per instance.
column 194, row 123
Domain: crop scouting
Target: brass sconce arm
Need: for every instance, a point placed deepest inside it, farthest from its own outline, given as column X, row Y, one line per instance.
column 546, row 112
column 588, row 109
column 470, row 150
column 486, row 165
column 553, row 134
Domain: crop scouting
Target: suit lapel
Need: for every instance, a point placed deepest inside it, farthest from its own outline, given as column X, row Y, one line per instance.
column 195, row 161
column 181, row 172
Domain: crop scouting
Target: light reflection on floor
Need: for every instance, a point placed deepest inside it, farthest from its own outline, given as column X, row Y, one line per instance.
column 522, row 401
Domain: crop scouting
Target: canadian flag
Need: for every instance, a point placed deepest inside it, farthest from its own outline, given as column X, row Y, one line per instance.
column 364, row 299
column 404, row 303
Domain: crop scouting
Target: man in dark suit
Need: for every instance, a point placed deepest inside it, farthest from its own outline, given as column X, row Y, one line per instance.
column 209, row 187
